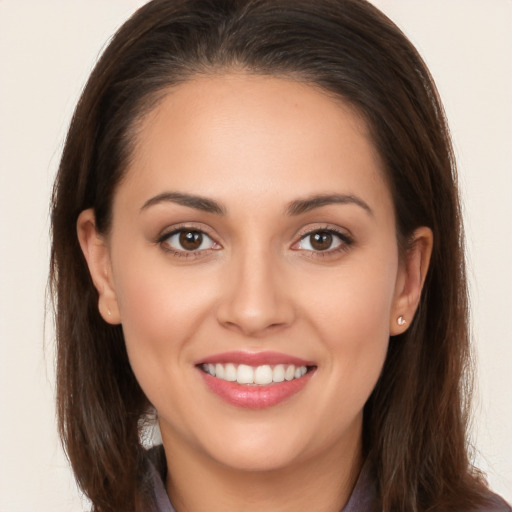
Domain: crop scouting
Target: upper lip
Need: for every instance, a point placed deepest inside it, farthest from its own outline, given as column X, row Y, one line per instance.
column 255, row 359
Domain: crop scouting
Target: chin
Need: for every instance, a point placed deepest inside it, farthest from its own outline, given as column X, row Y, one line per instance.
column 257, row 459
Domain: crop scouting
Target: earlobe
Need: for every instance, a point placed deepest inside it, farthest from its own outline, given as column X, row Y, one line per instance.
column 410, row 280
column 97, row 256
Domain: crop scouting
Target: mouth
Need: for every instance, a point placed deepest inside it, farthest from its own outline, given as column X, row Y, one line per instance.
column 257, row 380
column 261, row 375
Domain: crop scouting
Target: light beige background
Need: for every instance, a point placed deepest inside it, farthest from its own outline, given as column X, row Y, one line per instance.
column 48, row 47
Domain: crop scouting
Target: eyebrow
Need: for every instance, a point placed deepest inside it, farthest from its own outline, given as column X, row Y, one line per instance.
column 192, row 201
column 296, row 207
column 317, row 201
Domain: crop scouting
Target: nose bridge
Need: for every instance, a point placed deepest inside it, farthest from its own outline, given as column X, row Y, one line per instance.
column 256, row 299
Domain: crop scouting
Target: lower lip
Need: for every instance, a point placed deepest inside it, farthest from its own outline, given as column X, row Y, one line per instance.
column 254, row 396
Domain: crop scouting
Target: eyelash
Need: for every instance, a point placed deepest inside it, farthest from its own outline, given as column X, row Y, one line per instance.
column 345, row 241
column 184, row 253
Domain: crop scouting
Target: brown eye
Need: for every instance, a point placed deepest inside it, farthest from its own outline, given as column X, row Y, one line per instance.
column 324, row 240
column 187, row 241
column 190, row 240
column 321, row 240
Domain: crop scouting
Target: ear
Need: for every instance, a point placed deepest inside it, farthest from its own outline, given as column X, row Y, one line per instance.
column 411, row 277
column 97, row 255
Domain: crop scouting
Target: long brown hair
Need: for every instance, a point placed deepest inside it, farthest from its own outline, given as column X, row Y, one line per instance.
column 415, row 420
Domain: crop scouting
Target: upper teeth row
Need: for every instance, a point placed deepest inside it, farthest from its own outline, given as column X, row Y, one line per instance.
column 265, row 374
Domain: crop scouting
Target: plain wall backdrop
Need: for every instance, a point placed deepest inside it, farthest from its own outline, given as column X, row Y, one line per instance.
column 47, row 49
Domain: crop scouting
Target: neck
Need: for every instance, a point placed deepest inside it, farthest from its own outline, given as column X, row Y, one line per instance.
column 322, row 483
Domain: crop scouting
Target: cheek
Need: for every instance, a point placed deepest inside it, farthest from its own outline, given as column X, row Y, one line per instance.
column 160, row 309
column 353, row 305
column 159, row 315
column 350, row 314
column 155, row 296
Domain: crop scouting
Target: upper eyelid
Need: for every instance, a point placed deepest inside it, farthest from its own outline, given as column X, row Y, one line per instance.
column 345, row 237
column 342, row 232
column 185, row 226
column 303, row 232
column 163, row 239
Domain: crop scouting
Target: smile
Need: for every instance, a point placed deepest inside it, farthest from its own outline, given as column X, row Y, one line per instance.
column 256, row 375
column 255, row 380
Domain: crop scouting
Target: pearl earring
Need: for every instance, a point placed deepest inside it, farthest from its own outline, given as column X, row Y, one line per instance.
column 400, row 320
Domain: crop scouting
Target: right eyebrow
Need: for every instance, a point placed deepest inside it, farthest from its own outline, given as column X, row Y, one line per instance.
column 191, row 201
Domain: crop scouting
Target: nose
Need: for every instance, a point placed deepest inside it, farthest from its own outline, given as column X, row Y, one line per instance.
column 255, row 301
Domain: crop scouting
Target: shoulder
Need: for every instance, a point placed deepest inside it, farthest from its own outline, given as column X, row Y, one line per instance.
column 487, row 501
column 494, row 503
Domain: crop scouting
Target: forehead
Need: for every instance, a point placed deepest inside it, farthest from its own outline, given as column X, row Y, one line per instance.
column 241, row 133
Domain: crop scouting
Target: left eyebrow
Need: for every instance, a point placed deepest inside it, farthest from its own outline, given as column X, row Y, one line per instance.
column 317, row 201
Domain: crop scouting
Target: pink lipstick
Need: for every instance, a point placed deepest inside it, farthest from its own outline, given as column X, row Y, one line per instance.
column 255, row 380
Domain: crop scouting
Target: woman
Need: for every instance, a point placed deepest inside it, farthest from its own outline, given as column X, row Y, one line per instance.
column 256, row 233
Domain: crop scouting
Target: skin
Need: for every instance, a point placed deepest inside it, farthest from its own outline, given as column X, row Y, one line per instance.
column 254, row 145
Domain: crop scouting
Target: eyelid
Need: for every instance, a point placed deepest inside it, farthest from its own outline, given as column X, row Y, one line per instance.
column 344, row 235
column 170, row 231
column 331, row 228
column 184, row 226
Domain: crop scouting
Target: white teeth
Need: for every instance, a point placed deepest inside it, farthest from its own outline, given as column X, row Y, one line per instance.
column 289, row 374
column 230, row 373
column 245, row 374
column 219, row 371
column 278, row 373
column 263, row 375
column 259, row 375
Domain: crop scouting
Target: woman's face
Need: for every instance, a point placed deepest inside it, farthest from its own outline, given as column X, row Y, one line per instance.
column 253, row 238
